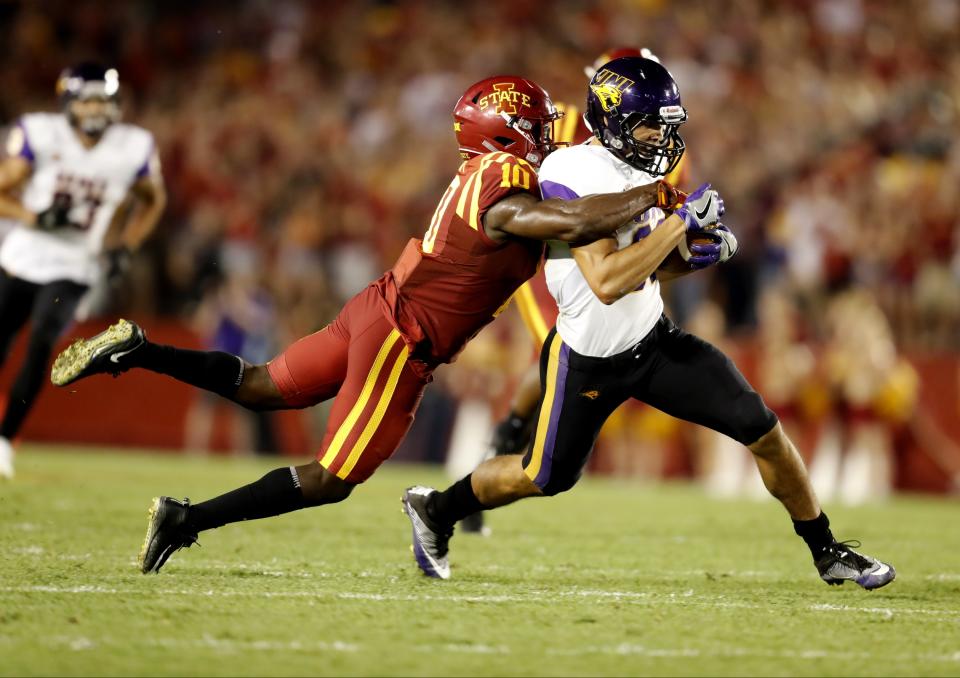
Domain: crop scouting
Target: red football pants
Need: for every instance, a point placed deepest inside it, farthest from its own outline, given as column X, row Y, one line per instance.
column 362, row 360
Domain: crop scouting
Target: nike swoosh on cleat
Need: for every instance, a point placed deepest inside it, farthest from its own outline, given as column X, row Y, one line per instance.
column 706, row 208
column 115, row 357
column 883, row 569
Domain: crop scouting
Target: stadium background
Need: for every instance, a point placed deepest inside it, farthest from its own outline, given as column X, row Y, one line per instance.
column 303, row 143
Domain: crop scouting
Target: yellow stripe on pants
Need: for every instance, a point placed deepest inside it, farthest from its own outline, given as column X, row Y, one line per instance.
column 362, row 400
column 546, row 408
column 377, row 415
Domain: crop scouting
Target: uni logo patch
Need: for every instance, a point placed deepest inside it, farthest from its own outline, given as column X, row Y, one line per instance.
column 592, row 393
column 609, row 87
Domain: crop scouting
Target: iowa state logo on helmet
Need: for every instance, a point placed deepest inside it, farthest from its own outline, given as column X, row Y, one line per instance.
column 505, row 97
column 608, row 86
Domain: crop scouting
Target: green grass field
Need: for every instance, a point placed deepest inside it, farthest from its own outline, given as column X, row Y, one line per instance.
column 614, row 578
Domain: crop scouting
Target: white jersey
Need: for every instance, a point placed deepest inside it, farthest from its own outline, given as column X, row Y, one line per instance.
column 586, row 324
column 97, row 180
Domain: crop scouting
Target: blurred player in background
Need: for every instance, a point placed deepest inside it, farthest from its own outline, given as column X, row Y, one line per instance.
column 484, row 241
column 536, row 305
column 69, row 183
column 613, row 342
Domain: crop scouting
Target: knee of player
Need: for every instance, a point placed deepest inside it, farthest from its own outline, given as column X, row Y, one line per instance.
column 319, row 486
column 771, row 444
column 560, row 484
column 256, row 390
column 753, row 419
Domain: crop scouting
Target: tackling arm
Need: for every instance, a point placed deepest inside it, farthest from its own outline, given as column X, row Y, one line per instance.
column 613, row 273
column 582, row 220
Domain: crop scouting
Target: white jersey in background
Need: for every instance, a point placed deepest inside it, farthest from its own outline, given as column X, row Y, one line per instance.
column 97, row 180
column 586, row 324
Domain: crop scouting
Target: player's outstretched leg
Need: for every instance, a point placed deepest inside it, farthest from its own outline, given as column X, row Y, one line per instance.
column 496, row 482
column 173, row 525
column 786, row 477
column 104, row 353
column 124, row 345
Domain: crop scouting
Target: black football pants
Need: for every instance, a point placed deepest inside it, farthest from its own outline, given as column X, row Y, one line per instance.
column 50, row 309
column 669, row 369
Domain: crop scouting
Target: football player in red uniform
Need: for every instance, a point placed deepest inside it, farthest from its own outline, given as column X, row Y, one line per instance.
column 376, row 357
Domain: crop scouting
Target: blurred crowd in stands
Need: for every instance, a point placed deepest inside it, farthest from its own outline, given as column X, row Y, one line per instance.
column 304, row 142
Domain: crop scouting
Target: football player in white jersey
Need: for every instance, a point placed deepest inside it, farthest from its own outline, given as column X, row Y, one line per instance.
column 613, row 342
column 67, row 181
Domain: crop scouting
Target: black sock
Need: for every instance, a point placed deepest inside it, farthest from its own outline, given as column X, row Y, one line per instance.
column 455, row 503
column 210, row 370
column 277, row 492
column 816, row 533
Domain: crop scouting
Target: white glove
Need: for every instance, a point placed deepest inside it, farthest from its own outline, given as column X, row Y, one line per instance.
column 701, row 209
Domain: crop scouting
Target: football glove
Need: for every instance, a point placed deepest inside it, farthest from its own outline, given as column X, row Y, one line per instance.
column 728, row 242
column 699, row 255
column 701, row 209
column 57, row 215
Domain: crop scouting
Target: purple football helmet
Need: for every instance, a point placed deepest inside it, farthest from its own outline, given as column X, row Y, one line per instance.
column 632, row 91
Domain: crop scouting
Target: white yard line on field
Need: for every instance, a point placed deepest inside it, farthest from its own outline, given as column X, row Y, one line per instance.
column 230, row 645
column 686, row 598
column 275, row 568
column 235, row 646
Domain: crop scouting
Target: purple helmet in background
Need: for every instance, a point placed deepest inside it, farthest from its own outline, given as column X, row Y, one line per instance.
column 85, row 82
column 632, row 91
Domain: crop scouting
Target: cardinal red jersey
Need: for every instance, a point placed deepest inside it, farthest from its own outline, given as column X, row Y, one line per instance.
column 446, row 287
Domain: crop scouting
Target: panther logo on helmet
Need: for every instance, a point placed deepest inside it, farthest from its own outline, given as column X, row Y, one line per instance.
column 608, row 95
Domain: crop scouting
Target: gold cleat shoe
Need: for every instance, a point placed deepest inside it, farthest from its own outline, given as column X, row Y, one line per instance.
column 104, row 353
column 167, row 532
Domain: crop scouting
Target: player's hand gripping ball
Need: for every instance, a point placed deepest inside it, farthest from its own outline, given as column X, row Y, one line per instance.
column 706, row 248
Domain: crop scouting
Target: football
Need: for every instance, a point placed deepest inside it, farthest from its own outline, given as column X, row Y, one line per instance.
column 701, row 238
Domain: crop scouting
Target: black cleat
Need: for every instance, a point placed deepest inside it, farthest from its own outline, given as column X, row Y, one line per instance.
column 103, row 353
column 840, row 563
column 167, row 532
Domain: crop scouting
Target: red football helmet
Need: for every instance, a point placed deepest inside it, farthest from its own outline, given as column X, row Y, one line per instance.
column 506, row 113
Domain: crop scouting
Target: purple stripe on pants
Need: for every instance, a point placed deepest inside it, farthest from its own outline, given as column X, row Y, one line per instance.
column 543, row 476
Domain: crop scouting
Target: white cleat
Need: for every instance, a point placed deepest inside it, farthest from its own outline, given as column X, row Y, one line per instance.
column 430, row 541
